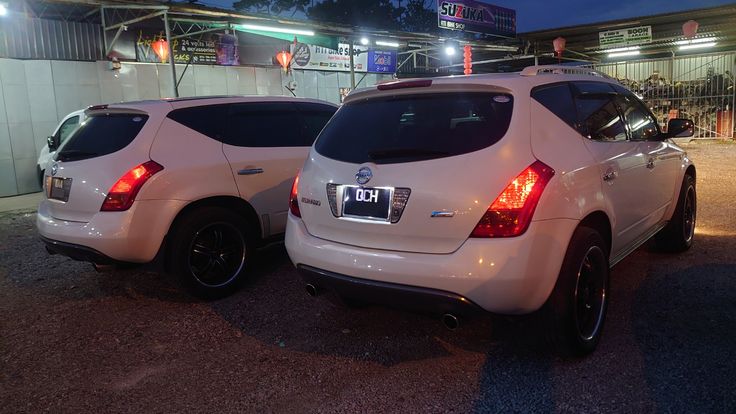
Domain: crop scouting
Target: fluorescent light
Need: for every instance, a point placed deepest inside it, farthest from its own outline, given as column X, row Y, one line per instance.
column 3, row 9
column 364, row 41
column 697, row 46
column 387, row 44
column 277, row 29
column 695, row 41
column 449, row 50
column 622, row 54
column 622, row 49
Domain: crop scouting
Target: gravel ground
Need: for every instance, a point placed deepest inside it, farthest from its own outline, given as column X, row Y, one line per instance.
column 75, row 340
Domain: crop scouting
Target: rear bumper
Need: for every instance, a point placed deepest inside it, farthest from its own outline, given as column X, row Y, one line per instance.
column 506, row 276
column 77, row 252
column 390, row 294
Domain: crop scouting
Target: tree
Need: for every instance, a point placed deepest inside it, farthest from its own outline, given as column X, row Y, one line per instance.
column 378, row 14
column 419, row 17
column 272, row 7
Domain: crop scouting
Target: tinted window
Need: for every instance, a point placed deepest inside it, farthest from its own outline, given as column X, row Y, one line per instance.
column 558, row 99
column 415, row 127
column 272, row 124
column 642, row 125
column 207, row 120
column 66, row 129
column 598, row 117
column 314, row 117
column 101, row 135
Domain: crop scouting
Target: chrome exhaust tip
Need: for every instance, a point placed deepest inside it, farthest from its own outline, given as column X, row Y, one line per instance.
column 450, row 321
column 311, row 290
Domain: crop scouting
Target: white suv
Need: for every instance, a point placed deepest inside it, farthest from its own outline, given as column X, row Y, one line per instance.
column 506, row 193
column 197, row 182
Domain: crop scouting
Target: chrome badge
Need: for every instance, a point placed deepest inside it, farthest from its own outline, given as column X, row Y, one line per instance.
column 363, row 175
column 54, row 169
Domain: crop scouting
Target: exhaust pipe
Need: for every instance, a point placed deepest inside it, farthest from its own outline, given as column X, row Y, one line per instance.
column 311, row 290
column 450, row 321
column 99, row 268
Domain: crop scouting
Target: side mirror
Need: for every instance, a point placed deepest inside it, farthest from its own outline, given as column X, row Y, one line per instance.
column 680, row 128
column 51, row 143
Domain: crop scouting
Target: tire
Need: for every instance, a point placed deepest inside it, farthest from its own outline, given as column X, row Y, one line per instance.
column 208, row 251
column 41, row 174
column 575, row 311
column 677, row 235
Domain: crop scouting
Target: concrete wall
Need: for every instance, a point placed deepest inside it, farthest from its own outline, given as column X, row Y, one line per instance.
column 36, row 94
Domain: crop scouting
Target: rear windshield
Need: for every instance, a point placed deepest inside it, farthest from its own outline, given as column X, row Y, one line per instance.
column 101, row 135
column 415, row 127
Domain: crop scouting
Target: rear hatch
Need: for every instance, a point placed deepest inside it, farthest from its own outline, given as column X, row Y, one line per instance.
column 412, row 171
column 98, row 153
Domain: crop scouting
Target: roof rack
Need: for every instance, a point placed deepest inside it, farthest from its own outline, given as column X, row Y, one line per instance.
column 561, row 70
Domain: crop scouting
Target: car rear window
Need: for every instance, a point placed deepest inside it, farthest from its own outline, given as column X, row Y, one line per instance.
column 101, row 135
column 408, row 128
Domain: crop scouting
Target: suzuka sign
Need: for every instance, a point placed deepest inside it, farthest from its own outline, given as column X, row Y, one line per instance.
column 625, row 37
column 477, row 17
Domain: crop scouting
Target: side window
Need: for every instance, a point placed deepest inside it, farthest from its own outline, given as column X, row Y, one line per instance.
column 314, row 117
column 558, row 99
column 66, row 129
column 598, row 117
column 207, row 120
column 270, row 124
column 642, row 125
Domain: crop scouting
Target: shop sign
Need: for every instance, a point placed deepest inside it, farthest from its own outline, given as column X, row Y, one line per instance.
column 473, row 16
column 215, row 49
column 321, row 58
column 625, row 37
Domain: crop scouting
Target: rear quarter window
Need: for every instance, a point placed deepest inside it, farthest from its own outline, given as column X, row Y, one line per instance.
column 407, row 128
column 101, row 135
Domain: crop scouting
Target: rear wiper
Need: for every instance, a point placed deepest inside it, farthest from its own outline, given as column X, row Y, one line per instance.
column 72, row 153
column 404, row 152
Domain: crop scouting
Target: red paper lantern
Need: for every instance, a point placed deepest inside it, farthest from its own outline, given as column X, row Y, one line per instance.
column 690, row 28
column 467, row 60
column 284, row 59
column 559, row 44
column 161, row 49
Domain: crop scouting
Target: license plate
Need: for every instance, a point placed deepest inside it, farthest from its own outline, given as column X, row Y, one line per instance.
column 365, row 202
column 58, row 188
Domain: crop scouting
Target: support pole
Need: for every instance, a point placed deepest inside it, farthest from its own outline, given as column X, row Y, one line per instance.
column 352, row 65
column 171, row 55
column 104, row 30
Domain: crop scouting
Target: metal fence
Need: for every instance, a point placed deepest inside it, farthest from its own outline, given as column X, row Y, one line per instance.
column 697, row 87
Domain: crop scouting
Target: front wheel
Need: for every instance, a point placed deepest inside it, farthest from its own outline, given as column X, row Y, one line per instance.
column 677, row 236
column 208, row 251
column 576, row 309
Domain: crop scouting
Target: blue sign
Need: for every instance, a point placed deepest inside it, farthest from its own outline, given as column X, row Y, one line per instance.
column 382, row 61
column 474, row 16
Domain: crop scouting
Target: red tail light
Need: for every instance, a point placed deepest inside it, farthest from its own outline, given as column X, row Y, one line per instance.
column 123, row 192
column 510, row 214
column 294, row 198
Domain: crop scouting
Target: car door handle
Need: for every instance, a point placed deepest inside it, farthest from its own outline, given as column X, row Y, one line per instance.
column 609, row 176
column 650, row 163
column 250, row 171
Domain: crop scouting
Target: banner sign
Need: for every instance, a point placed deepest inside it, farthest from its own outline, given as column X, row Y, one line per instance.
column 212, row 49
column 625, row 37
column 321, row 58
column 382, row 61
column 473, row 16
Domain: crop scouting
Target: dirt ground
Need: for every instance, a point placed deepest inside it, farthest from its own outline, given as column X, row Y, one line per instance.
column 74, row 340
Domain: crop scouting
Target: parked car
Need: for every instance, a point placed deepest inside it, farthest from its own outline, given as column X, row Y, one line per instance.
column 505, row 193
column 60, row 135
column 198, row 183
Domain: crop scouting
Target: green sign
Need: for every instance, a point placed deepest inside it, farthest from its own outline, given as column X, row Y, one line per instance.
column 625, row 37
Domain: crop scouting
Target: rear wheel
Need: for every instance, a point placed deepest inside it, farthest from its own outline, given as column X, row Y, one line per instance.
column 208, row 251
column 576, row 309
column 677, row 236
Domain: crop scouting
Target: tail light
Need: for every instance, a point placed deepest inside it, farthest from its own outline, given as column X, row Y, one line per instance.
column 510, row 214
column 294, row 198
column 123, row 192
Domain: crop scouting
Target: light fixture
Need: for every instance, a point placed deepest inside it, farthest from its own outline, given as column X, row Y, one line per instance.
column 3, row 9
column 364, row 41
column 387, row 44
column 277, row 29
column 450, row 50
column 697, row 46
column 622, row 54
column 696, row 41
column 622, row 49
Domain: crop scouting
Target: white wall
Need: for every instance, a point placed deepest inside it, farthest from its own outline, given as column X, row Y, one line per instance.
column 36, row 94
